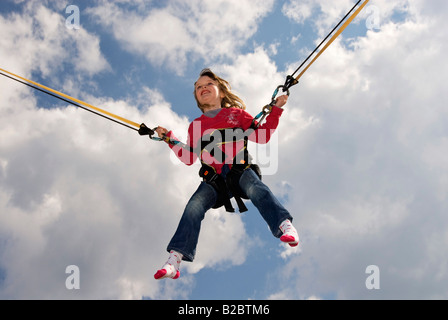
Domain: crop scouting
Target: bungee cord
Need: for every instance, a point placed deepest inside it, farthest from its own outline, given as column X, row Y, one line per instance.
column 59, row 96
column 325, row 39
column 290, row 79
column 76, row 102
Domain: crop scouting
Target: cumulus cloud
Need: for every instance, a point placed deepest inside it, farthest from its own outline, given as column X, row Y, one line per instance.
column 182, row 32
column 77, row 192
column 361, row 155
column 38, row 41
column 74, row 190
column 325, row 14
column 364, row 190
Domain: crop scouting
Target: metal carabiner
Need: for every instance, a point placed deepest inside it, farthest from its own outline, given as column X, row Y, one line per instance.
column 151, row 136
column 274, row 95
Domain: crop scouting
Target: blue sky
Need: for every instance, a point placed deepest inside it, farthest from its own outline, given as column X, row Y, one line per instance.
column 359, row 158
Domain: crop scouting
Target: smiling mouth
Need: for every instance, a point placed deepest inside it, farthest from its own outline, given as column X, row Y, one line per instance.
column 205, row 92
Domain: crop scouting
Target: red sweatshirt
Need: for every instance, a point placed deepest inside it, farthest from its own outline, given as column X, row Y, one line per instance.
column 201, row 128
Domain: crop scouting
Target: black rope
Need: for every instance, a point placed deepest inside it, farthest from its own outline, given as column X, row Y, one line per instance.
column 68, row 101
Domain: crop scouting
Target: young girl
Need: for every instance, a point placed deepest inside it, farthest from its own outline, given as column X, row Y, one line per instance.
column 223, row 113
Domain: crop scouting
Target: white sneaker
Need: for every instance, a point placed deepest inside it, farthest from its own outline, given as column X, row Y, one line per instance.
column 290, row 235
column 171, row 267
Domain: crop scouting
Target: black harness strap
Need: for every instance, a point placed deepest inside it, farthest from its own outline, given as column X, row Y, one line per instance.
column 229, row 187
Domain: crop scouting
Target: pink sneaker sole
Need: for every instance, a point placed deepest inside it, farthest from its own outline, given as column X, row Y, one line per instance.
column 289, row 240
column 161, row 274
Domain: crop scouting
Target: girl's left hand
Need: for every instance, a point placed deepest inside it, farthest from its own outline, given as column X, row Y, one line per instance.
column 281, row 101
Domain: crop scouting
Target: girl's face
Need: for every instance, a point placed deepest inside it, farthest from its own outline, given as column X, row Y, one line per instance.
column 207, row 92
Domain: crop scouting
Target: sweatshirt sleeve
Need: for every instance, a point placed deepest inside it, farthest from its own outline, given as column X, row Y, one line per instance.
column 264, row 132
column 185, row 152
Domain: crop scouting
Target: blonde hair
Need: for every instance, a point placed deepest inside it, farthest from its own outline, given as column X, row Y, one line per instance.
column 230, row 100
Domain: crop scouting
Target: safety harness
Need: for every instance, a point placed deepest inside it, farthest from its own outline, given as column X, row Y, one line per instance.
column 228, row 186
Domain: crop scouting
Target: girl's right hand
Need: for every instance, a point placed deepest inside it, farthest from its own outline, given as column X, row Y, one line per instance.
column 161, row 131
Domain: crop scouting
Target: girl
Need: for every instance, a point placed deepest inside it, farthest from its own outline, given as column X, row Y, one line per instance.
column 222, row 158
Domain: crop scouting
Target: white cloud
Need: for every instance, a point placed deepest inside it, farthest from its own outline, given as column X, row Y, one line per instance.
column 183, row 32
column 325, row 14
column 364, row 190
column 253, row 76
column 77, row 189
column 362, row 161
column 298, row 11
column 222, row 240
column 38, row 40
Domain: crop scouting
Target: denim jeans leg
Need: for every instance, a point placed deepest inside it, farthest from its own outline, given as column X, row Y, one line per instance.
column 264, row 200
column 186, row 237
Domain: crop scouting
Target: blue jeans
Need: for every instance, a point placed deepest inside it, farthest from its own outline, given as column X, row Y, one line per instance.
column 186, row 237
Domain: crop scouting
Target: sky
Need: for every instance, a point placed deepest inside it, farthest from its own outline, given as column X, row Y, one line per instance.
column 359, row 157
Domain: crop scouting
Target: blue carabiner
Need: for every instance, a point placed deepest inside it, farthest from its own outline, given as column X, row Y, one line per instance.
column 274, row 95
